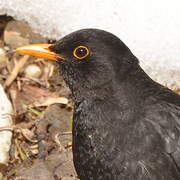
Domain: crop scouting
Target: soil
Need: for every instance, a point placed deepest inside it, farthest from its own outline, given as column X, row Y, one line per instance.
column 41, row 144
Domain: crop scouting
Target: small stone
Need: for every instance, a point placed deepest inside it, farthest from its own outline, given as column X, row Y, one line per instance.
column 19, row 33
column 34, row 151
column 6, row 48
column 33, row 71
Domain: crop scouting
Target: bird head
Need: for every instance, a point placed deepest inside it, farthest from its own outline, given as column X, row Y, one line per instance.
column 89, row 58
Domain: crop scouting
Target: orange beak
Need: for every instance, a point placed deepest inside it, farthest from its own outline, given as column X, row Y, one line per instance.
column 40, row 50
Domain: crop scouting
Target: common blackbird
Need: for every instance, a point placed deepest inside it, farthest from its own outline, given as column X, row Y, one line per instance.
column 125, row 125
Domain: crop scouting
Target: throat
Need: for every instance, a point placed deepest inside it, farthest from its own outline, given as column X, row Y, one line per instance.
column 100, row 92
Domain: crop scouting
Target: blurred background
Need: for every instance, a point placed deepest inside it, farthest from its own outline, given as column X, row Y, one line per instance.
column 40, row 103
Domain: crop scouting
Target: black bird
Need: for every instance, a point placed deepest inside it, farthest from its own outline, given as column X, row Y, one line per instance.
column 126, row 126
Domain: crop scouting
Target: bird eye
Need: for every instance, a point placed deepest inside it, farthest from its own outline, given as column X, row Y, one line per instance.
column 81, row 52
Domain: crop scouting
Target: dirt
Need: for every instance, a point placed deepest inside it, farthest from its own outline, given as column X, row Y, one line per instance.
column 41, row 144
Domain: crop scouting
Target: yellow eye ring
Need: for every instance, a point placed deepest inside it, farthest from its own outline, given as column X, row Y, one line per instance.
column 81, row 52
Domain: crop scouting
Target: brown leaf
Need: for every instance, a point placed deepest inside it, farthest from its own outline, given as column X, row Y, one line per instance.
column 49, row 101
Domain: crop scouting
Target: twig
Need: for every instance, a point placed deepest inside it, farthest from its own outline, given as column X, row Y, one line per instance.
column 65, row 133
column 57, row 141
column 16, row 70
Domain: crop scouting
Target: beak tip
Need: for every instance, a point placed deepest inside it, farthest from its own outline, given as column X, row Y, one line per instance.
column 17, row 50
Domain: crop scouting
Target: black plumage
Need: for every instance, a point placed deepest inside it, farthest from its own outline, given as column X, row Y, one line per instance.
column 125, row 125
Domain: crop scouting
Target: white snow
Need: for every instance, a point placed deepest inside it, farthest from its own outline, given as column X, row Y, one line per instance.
column 151, row 29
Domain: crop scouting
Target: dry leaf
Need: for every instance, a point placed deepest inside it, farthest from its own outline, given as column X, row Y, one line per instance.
column 49, row 101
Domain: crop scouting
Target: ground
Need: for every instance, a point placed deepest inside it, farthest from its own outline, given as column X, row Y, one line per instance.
column 41, row 144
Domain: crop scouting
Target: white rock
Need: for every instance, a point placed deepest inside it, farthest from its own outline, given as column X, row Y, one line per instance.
column 5, row 120
column 151, row 29
column 33, row 71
